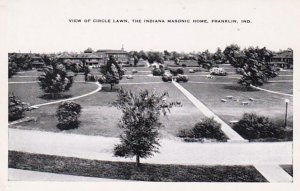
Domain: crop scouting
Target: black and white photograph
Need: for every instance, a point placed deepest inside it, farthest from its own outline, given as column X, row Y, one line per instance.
column 128, row 93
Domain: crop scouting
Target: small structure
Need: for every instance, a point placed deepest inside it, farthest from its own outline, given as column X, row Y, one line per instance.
column 251, row 99
column 232, row 122
column 191, row 71
column 129, row 77
column 209, row 76
column 223, row 100
column 229, row 97
column 245, row 103
column 134, row 71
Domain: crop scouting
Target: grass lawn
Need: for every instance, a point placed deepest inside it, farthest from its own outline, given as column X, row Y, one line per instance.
column 99, row 117
column 129, row 171
column 288, row 169
column 211, row 96
column 137, row 78
column 32, row 93
column 279, row 87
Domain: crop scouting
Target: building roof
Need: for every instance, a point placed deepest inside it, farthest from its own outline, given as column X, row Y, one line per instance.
column 107, row 51
column 64, row 56
column 284, row 54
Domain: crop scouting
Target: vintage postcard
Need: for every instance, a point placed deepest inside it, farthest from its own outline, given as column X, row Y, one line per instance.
column 149, row 95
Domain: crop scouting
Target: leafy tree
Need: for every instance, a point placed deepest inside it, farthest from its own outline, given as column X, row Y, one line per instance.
column 48, row 59
column 155, row 57
column 22, row 60
column 233, row 54
column 112, row 73
column 143, row 55
column 256, row 68
column 167, row 53
column 16, row 108
column 12, row 69
column 140, row 122
column 218, row 56
column 205, row 60
column 207, row 65
column 88, row 50
column 135, row 55
column 175, row 55
column 67, row 114
column 55, row 79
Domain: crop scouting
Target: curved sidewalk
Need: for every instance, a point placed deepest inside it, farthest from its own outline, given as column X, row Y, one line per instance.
column 270, row 91
column 73, row 98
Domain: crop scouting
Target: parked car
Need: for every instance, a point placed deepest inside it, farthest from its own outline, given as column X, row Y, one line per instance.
column 218, row 71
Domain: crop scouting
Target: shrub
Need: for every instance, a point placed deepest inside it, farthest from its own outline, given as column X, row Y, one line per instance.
column 16, row 108
column 181, row 78
column 91, row 78
column 67, row 114
column 183, row 65
column 252, row 127
column 167, row 78
column 173, row 72
column 158, row 71
column 180, row 71
column 208, row 128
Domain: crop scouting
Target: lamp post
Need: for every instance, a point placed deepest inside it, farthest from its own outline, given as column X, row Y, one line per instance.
column 286, row 107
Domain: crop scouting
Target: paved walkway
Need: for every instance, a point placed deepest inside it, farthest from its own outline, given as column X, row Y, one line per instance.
column 274, row 173
column 171, row 151
column 270, row 91
column 228, row 131
column 72, row 98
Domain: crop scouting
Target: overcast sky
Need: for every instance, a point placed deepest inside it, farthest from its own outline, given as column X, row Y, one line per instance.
column 43, row 26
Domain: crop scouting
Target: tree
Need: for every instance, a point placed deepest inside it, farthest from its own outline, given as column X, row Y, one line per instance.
column 256, row 68
column 166, row 55
column 112, row 73
column 22, row 60
column 47, row 58
column 67, row 114
column 205, row 60
column 55, row 79
column 218, row 56
column 12, row 69
column 233, row 54
column 135, row 55
column 88, row 50
column 140, row 122
column 16, row 108
column 143, row 55
column 155, row 57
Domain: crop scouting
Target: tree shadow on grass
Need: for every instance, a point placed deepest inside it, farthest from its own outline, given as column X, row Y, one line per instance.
column 62, row 127
column 108, row 89
column 57, row 97
column 239, row 88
